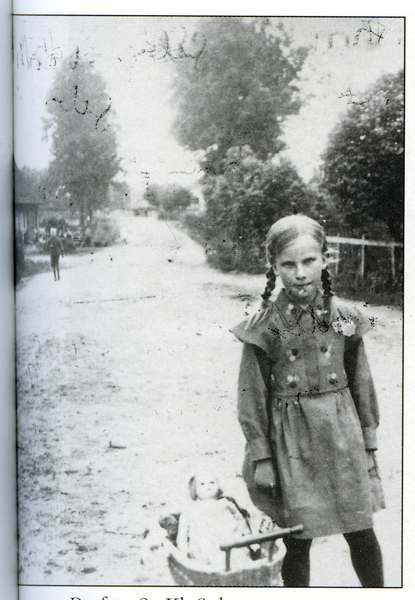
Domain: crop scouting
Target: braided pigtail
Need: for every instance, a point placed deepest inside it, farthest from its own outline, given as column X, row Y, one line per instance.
column 279, row 237
column 327, row 291
column 271, row 279
column 265, row 307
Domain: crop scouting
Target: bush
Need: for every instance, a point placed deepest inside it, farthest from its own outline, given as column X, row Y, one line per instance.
column 374, row 289
column 194, row 224
column 171, row 200
column 24, row 267
column 104, row 232
column 378, row 285
column 70, row 245
column 34, row 267
column 54, row 222
column 19, row 257
column 242, row 204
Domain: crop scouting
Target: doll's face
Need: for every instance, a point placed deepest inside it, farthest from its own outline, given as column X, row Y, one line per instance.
column 299, row 265
column 207, row 486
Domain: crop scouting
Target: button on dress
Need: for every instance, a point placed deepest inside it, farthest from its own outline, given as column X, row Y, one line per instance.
column 306, row 400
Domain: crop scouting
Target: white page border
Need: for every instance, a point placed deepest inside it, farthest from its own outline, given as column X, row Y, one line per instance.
column 354, row 8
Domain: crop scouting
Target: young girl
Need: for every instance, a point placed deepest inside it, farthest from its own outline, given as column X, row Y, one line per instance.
column 308, row 409
column 210, row 520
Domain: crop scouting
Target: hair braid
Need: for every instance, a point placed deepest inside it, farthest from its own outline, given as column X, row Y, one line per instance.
column 271, row 279
column 326, row 281
column 328, row 292
column 263, row 311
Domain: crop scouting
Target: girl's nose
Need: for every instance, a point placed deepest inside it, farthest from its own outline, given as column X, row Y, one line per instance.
column 300, row 274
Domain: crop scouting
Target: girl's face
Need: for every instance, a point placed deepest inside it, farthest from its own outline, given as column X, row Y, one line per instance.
column 299, row 265
column 207, row 486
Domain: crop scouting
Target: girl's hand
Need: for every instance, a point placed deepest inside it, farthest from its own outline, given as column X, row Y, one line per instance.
column 265, row 475
column 371, row 460
column 376, row 491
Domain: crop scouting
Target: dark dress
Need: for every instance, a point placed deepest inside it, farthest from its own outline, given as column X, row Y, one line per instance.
column 306, row 400
column 55, row 248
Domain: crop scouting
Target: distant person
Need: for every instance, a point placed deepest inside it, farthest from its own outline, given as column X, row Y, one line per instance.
column 26, row 237
column 308, row 408
column 87, row 237
column 55, row 248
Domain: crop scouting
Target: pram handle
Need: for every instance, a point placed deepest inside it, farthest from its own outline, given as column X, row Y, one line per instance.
column 258, row 539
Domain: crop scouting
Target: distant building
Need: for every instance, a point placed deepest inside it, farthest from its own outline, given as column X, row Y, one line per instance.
column 144, row 208
column 141, row 206
column 26, row 206
column 26, row 217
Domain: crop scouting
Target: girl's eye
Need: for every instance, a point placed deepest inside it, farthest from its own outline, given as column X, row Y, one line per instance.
column 310, row 260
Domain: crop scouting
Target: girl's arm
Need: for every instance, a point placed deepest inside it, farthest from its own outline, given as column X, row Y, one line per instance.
column 182, row 534
column 253, row 394
column 364, row 396
column 362, row 389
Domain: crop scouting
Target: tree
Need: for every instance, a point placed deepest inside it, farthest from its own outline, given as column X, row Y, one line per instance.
column 120, row 195
column 236, row 91
column 83, row 136
column 153, row 194
column 242, row 204
column 172, row 199
column 364, row 162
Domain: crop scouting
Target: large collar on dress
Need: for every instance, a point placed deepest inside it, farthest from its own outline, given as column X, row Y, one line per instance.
column 261, row 331
column 290, row 312
column 262, row 328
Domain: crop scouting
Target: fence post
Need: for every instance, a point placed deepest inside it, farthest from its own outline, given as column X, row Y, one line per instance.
column 336, row 264
column 337, row 240
column 393, row 262
column 362, row 260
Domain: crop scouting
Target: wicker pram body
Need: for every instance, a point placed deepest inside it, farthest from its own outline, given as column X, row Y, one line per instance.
column 263, row 572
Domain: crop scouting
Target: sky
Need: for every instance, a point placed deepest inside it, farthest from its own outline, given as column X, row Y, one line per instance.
column 347, row 55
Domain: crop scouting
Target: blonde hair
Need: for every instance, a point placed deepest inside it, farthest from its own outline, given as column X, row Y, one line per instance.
column 280, row 235
column 193, row 488
column 284, row 231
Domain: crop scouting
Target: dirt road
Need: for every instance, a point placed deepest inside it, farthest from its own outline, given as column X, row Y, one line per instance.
column 126, row 386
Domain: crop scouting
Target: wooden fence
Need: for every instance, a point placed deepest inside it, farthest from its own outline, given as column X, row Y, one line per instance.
column 336, row 241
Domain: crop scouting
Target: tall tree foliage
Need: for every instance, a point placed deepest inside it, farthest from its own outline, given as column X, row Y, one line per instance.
column 83, row 136
column 364, row 162
column 243, row 202
column 237, row 90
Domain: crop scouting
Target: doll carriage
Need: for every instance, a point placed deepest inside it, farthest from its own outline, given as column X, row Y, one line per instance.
column 265, row 569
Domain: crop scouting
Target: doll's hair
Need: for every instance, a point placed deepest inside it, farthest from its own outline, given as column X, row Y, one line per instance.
column 193, row 488
column 281, row 234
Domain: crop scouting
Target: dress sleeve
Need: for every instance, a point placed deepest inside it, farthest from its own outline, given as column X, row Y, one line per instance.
column 183, row 532
column 253, row 394
column 362, row 389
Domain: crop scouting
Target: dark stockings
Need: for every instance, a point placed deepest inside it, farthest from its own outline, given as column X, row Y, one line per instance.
column 366, row 557
column 296, row 566
column 365, row 554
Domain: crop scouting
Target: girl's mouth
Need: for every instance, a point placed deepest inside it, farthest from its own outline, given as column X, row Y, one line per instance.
column 302, row 288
